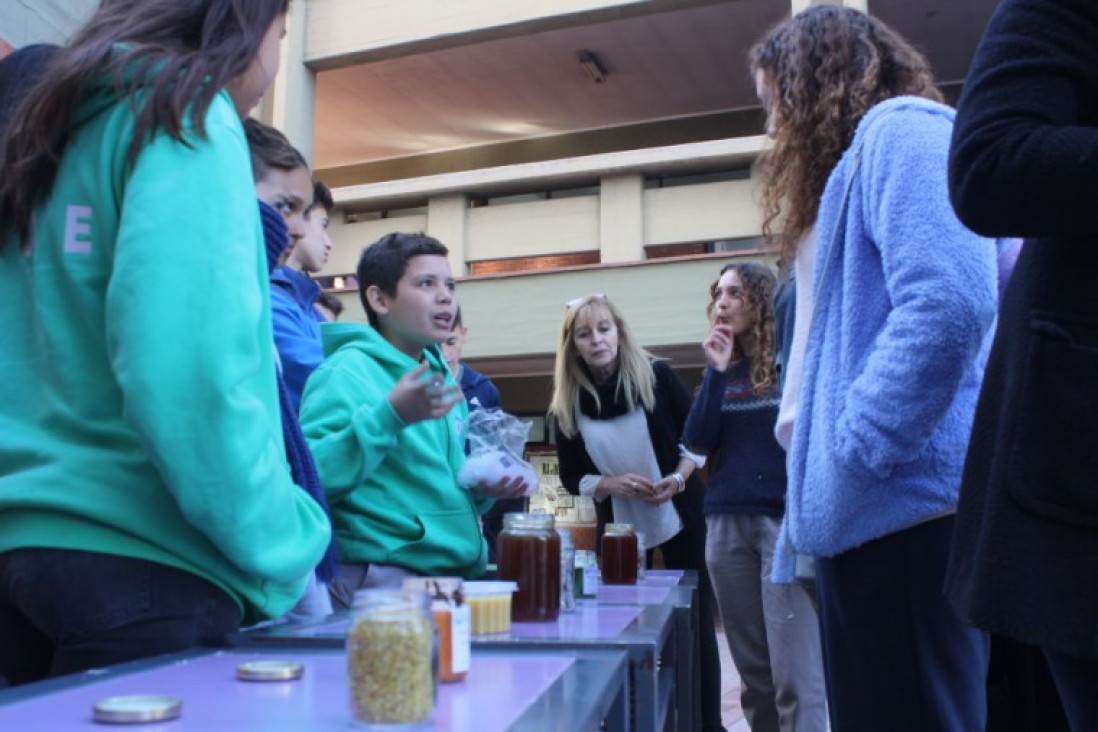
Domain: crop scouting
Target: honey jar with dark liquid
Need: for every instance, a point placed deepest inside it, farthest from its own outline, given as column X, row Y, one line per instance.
column 529, row 555
column 619, row 555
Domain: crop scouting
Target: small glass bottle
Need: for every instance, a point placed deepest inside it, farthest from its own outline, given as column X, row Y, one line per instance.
column 587, row 574
column 619, row 555
column 642, row 556
column 529, row 555
column 391, row 659
column 567, row 571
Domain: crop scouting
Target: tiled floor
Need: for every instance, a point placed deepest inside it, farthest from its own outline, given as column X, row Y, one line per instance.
column 731, row 712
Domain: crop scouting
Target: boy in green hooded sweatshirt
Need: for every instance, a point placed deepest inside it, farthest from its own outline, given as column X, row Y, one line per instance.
column 385, row 421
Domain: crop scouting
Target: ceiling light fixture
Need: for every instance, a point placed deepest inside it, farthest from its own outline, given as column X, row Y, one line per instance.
column 592, row 66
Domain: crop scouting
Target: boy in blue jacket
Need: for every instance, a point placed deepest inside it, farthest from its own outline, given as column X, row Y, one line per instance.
column 294, row 294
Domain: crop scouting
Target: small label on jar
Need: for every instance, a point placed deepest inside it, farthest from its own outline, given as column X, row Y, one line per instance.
column 461, row 629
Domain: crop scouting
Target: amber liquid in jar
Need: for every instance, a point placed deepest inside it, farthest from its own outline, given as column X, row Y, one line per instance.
column 619, row 555
column 529, row 555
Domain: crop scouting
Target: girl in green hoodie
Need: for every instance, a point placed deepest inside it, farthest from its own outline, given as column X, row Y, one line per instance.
column 145, row 500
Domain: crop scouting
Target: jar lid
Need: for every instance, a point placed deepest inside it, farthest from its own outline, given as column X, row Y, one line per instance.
column 528, row 521
column 619, row 528
column 137, row 709
column 481, row 588
column 272, row 670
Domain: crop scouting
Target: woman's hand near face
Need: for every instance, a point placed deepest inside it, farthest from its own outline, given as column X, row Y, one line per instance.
column 415, row 398
column 717, row 347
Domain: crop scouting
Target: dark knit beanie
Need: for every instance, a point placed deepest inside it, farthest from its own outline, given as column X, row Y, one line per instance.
column 19, row 71
column 276, row 234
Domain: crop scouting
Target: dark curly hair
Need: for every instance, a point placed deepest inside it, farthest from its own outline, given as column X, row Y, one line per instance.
column 827, row 66
column 760, row 345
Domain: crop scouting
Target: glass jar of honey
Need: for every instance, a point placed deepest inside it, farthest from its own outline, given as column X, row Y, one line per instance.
column 619, row 555
column 529, row 555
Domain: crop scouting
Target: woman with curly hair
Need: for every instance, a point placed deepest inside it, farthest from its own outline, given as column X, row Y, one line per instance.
column 772, row 629
column 619, row 415
column 896, row 320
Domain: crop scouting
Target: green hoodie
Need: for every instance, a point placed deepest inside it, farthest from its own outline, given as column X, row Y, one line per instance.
column 392, row 487
column 139, row 411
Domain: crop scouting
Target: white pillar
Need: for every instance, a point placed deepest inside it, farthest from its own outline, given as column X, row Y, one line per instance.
column 446, row 222
column 621, row 218
column 290, row 103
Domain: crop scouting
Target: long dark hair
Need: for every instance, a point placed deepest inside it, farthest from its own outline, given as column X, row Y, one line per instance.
column 180, row 53
column 829, row 66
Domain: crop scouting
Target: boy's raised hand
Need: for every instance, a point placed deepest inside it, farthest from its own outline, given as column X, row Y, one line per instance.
column 718, row 347
column 416, row 397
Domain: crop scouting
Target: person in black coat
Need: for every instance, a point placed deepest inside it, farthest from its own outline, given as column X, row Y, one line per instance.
column 1024, row 162
column 618, row 417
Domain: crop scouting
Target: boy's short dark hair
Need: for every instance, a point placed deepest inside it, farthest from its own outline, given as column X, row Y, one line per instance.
column 383, row 263
column 322, row 198
column 269, row 148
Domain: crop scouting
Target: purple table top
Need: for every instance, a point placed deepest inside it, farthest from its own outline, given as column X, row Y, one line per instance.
column 663, row 577
column 641, row 594
column 498, row 689
column 587, row 622
column 590, row 621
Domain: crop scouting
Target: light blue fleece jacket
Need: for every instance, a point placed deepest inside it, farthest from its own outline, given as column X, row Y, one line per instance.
column 906, row 300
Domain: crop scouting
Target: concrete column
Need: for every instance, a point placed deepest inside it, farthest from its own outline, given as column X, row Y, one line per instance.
column 446, row 222
column 290, row 103
column 621, row 218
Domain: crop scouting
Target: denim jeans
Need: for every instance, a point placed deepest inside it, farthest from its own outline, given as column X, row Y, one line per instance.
column 63, row 611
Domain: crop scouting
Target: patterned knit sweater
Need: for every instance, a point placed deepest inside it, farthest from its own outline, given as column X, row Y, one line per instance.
column 735, row 427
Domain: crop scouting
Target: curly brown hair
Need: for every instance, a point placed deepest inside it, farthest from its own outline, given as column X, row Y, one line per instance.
column 760, row 345
column 826, row 67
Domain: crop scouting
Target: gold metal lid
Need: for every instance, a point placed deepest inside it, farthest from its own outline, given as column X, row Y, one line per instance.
column 138, row 709
column 270, row 671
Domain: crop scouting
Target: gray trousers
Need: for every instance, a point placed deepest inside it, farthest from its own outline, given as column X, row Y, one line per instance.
column 772, row 630
column 354, row 578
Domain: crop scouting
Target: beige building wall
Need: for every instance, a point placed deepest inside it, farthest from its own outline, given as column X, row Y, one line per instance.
column 42, row 21
column 387, row 28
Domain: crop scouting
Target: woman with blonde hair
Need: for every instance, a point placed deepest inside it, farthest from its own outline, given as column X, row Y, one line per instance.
column 896, row 324
column 619, row 414
column 772, row 630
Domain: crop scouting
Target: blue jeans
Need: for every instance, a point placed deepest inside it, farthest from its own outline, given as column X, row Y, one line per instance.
column 63, row 611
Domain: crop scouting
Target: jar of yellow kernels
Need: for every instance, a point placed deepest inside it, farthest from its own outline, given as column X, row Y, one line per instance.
column 391, row 660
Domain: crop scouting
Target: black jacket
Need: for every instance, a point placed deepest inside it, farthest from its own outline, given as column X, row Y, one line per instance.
column 665, row 423
column 1025, row 163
